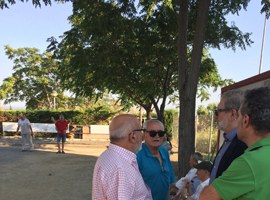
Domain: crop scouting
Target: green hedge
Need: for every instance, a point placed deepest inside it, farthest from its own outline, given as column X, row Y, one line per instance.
column 101, row 115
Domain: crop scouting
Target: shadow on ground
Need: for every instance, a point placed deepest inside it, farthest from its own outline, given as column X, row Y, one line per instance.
column 45, row 175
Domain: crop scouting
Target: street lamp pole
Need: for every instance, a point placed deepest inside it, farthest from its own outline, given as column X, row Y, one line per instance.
column 210, row 136
column 54, row 95
column 262, row 48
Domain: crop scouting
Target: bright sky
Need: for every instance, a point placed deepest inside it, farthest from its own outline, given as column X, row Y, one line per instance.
column 23, row 25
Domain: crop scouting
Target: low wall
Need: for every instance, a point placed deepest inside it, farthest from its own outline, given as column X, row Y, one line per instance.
column 99, row 129
column 50, row 128
column 37, row 127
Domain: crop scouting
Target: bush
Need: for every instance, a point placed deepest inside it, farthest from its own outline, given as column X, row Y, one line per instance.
column 100, row 115
column 169, row 117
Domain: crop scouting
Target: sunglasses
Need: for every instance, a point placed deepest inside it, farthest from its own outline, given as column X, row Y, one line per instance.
column 217, row 111
column 154, row 133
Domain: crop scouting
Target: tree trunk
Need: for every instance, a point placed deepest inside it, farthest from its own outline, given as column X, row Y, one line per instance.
column 148, row 114
column 160, row 110
column 189, row 76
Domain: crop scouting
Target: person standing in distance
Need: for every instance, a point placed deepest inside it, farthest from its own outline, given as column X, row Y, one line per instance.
column 61, row 126
column 227, row 115
column 154, row 161
column 247, row 177
column 116, row 174
column 26, row 132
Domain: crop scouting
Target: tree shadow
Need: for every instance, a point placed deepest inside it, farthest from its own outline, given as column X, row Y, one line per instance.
column 45, row 175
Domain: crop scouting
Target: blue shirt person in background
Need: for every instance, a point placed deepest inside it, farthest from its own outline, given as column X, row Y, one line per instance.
column 154, row 161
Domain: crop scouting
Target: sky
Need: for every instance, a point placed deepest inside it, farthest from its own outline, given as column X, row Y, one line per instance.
column 23, row 25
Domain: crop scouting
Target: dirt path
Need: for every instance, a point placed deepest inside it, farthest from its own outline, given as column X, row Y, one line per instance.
column 45, row 175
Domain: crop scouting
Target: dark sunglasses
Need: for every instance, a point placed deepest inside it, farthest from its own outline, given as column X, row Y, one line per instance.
column 154, row 133
column 218, row 110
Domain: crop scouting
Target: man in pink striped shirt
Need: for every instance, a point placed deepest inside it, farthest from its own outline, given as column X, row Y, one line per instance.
column 116, row 175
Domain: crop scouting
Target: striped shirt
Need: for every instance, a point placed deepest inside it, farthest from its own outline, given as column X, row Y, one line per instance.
column 117, row 176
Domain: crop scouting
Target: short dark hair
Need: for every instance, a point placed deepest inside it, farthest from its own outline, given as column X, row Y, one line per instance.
column 256, row 105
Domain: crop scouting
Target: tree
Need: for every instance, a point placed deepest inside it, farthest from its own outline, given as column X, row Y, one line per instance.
column 36, row 3
column 34, row 79
column 191, row 36
column 210, row 29
column 134, row 56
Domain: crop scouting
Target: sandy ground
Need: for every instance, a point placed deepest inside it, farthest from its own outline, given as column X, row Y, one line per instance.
column 45, row 175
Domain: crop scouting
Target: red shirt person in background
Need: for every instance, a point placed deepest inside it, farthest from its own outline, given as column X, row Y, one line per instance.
column 61, row 125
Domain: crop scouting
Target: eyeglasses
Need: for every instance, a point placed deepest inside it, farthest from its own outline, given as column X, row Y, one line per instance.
column 154, row 133
column 218, row 110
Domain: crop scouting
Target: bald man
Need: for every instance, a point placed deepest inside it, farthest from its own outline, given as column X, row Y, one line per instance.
column 116, row 174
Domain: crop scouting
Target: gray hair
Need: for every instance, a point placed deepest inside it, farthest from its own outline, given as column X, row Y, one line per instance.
column 232, row 99
column 147, row 122
column 197, row 156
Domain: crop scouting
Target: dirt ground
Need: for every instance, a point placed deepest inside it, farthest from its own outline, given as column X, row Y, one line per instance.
column 45, row 175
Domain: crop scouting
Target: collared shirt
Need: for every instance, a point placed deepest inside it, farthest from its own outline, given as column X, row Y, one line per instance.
column 117, row 176
column 158, row 177
column 227, row 141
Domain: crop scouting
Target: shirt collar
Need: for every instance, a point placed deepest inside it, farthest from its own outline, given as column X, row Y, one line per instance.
column 229, row 136
column 148, row 152
column 124, row 153
column 257, row 145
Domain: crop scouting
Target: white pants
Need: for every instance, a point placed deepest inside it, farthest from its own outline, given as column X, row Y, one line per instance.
column 27, row 141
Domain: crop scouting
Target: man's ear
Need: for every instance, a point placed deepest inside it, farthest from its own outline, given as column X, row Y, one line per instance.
column 245, row 121
column 132, row 137
column 235, row 114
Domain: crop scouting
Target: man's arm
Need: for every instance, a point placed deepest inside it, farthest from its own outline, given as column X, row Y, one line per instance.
column 18, row 128
column 52, row 118
column 30, row 127
column 209, row 193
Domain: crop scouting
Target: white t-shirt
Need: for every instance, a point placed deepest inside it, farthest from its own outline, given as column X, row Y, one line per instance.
column 24, row 124
column 199, row 189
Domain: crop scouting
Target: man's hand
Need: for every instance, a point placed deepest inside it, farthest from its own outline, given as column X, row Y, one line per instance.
column 186, row 183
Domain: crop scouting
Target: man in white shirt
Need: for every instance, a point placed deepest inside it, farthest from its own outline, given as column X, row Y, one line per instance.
column 26, row 132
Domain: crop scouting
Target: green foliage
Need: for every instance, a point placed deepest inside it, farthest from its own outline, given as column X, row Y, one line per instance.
column 33, row 80
column 203, row 135
column 169, row 117
column 96, row 116
column 36, row 3
column 132, row 55
column 201, row 110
